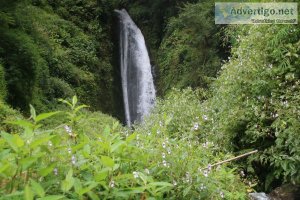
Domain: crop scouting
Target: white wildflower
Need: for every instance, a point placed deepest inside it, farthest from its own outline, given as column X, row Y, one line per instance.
column 147, row 171
column 196, row 126
column 222, row 194
column 68, row 130
column 73, row 159
column 242, row 173
column 209, row 167
column 135, row 174
column 165, row 163
column 169, row 151
column 160, row 123
column 205, row 173
column 174, row 183
column 202, row 186
column 112, row 184
column 55, row 171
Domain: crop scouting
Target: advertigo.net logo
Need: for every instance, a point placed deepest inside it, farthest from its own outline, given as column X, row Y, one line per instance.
column 256, row 13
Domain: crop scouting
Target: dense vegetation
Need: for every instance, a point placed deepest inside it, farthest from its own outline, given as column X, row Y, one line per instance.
column 52, row 50
column 232, row 93
column 55, row 49
column 190, row 41
column 256, row 100
column 92, row 155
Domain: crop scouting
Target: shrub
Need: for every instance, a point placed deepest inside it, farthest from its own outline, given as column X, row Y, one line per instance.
column 189, row 55
column 94, row 157
column 7, row 113
column 255, row 100
column 40, row 47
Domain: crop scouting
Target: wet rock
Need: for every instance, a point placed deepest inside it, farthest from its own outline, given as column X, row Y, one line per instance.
column 259, row 196
column 285, row 192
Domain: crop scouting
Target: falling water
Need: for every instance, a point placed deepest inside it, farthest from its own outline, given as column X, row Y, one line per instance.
column 137, row 81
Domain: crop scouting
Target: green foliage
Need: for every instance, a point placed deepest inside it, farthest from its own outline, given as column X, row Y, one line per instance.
column 55, row 49
column 6, row 19
column 152, row 17
column 22, row 67
column 96, row 158
column 183, row 115
column 3, row 92
column 189, row 55
column 7, row 113
column 47, row 57
column 255, row 101
column 178, row 124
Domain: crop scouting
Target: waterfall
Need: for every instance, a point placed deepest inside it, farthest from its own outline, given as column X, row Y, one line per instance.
column 137, row 81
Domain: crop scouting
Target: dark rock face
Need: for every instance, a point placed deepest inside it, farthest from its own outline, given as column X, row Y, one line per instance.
column 286, row 192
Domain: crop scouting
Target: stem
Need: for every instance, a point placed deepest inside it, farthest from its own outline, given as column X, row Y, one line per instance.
column 234, row 158
column 12, row 183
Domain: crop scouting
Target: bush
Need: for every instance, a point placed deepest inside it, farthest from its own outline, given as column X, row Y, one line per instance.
column 256, row 98
column 189, row 55
column 7, row 113
column 92, row 156
column 40, row 47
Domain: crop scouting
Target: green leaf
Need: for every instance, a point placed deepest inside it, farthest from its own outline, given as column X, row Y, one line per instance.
column 68, row 183
column 115, row 125
column 12, row 195
column 27, row 162
column 131, row 137
column 186, row 190
column 3, row 167
column 80, row 107
column 74, row 101
column 52, row 197
column 40, row 141
column 65, row 102
column 32, row 112
column 116, row 146
column 143, row 177
column 107, row 161
column 37, row 188
column 168, row 120
column 28, row 194
column 106, row 131
column 101, row 175
column 14, row 141
column 87, row 189
column 43, row 116
column 47, row 170
column 22, row 123
column 93, row 196
column 77, row 185
column 166, row 184
column 78, row 146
